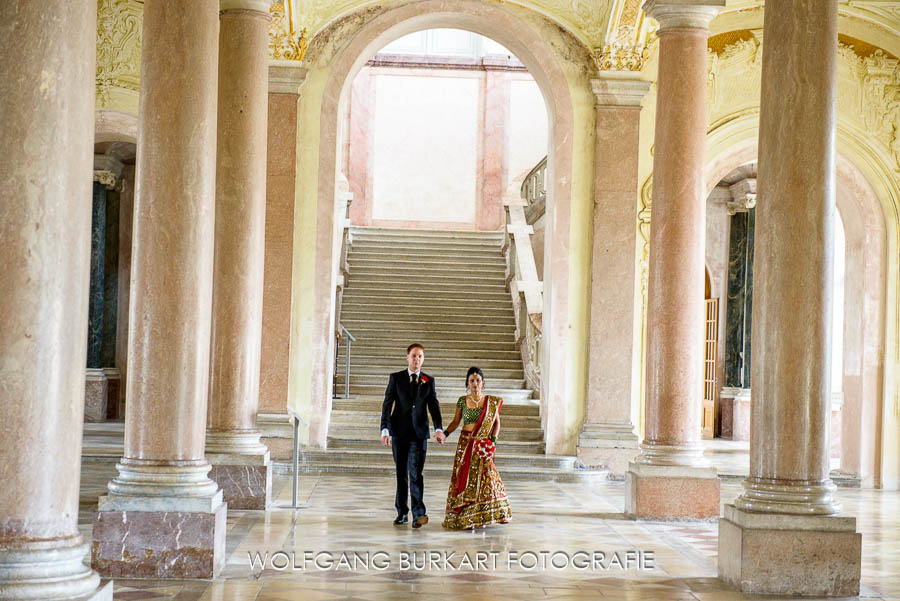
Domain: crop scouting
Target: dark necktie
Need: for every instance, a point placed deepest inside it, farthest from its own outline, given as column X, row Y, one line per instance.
column 413, row 379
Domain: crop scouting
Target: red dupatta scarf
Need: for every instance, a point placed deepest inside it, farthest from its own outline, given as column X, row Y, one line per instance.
column 482, row 430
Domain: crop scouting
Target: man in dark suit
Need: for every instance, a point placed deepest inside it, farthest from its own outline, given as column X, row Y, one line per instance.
column 405, row 428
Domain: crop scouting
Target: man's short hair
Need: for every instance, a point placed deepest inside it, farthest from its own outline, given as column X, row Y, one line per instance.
column 414, row 345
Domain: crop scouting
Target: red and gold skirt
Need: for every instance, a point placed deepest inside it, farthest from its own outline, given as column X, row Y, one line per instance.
column 476, row 496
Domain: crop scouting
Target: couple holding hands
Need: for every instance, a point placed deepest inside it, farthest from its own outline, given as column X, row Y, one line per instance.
column 476, row 496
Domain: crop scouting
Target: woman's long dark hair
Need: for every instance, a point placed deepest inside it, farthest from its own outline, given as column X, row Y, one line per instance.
column 474, row 370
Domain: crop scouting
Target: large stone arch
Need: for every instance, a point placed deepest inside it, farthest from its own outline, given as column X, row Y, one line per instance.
column 562, row 68
column 867, row 202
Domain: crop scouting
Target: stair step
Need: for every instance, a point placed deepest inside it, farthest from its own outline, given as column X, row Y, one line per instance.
column 434, row 366
column 448, row 406
column 436, row 320
column 432, row 294
column 406, row 309
column 437, row 456
column 363, row 260
column 379, row 302
column 374, row 444
column 429, row 338
column 396, row 269
column 371, row 432
column 428, row 283
column 436, row 326
column 460, row 257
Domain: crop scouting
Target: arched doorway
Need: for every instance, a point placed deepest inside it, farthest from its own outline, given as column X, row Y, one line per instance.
column 859, row 376
column 561, row 67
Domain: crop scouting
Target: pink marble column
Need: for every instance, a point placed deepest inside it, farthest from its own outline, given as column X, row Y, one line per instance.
column 47, row 104
column 489, row 212
column 240, row 462
column 783, row 535
column 163, row 516
column 608, row 439
column 670, row 479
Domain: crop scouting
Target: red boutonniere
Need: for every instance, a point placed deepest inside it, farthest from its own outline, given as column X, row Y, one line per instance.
column 424, row 380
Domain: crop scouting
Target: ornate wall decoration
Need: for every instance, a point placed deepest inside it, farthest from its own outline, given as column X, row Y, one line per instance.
column 284, row 45
column 586, row 19
column 627, row 38
column 868, row 90
column 734, row 76
column 119, row 32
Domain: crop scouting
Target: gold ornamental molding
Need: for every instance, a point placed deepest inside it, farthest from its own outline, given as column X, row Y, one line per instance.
column 119, row 34
column 626, row 47
column 284, row 44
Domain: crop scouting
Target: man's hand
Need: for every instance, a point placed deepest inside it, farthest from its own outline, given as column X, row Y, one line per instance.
column 440, row 437
column 386, row 440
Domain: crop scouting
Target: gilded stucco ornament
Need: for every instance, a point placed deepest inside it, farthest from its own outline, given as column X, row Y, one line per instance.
column 119, row 30
column 283, row 44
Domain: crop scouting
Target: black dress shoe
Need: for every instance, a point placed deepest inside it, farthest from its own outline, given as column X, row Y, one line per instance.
column 420, row 521
column 401, row 519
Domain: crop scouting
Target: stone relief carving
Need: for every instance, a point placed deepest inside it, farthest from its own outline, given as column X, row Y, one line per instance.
column 119, row 31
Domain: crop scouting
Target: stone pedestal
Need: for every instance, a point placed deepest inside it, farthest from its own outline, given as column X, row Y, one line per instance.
column 159, row 536
column 160, row 521
column 96, row 395
column 735, row 411
column 241, row 467
column 609, row 447
column 671, row 492
column 762, row 553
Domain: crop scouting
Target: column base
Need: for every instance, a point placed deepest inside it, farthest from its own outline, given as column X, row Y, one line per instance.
column 151, row 537
column 50, row 573
column 782, row 554
column 608, row 446
column 671, row 492
column 245, row 480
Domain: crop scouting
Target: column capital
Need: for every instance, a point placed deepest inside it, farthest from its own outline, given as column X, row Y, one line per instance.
column 286, row 77
column 107, row 170
column 257, row 5
column 619, row 88
column 694, row 14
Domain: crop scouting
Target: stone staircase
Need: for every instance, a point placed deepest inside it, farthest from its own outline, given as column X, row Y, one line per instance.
column 447, row 291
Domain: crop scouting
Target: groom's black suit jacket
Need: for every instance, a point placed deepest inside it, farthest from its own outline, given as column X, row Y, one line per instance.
column 408, row 419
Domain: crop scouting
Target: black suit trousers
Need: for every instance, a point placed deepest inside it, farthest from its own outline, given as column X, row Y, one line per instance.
column 409, row 457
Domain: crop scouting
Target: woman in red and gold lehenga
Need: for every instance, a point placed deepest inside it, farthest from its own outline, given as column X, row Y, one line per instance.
column 476, row 496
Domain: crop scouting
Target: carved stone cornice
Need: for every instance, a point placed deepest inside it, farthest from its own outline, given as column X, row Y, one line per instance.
column 619, row 88
column 286, row 77
column 107, row 170
column 694, row 14
column 262, row 6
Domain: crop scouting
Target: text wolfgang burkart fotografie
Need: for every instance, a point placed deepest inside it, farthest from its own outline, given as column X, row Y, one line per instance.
column 453, row 561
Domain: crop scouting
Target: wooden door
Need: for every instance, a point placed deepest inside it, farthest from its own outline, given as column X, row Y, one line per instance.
column 709, row 368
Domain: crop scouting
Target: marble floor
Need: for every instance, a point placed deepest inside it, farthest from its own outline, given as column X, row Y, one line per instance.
column 352, row 514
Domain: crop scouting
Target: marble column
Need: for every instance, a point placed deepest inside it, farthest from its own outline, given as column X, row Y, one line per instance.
column 240, row 462
column 47, row 103
column 669, row 479
column 123, row 281
column 163, row 517
column 608, row 439
column 735, row 394
column 784, row 535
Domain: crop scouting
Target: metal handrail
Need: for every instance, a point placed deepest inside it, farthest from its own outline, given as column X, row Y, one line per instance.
column 350, row 339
